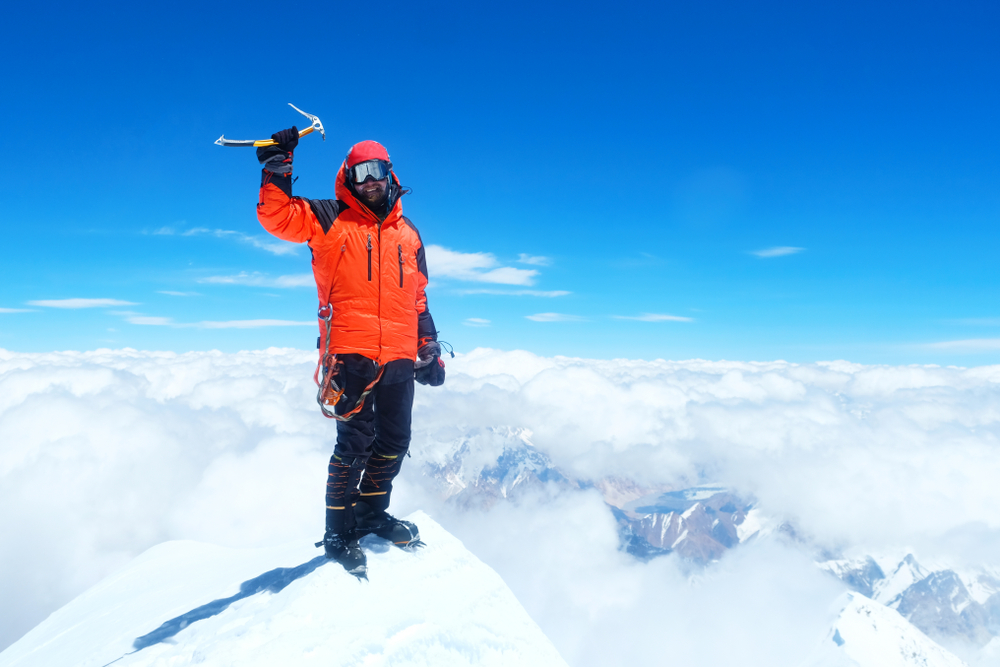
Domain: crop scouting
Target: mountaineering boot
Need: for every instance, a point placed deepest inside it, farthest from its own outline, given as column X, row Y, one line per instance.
column 404, row 534
column 344, row 548
column 370, row 510
column 341, row 538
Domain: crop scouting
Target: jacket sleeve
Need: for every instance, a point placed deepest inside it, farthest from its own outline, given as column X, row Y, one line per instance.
column 289, row 218
column 425, row 323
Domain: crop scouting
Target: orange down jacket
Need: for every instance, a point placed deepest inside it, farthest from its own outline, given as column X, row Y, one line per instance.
column 371, row 273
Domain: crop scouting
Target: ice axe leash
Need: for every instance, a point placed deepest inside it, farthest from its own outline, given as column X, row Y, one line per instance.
column 316, row 125
column 330, row 393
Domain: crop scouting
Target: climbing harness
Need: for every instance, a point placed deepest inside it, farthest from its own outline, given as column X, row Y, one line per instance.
column 330, row 393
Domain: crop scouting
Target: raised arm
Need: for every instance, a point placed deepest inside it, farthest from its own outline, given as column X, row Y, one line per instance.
column 289, row 218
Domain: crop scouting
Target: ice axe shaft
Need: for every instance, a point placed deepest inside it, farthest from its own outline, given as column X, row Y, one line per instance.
column 316, row 125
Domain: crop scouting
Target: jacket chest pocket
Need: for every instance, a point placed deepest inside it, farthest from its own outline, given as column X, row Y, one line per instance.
column 369, row 246
column 333, row 261
column 399, row 248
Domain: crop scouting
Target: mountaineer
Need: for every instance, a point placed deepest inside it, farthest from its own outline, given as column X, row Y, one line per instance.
column 377, row 333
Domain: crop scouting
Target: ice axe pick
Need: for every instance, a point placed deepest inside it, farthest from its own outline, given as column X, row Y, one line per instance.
column 317, row 124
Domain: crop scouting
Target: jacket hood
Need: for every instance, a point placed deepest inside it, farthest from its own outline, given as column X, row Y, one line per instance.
column 346, row 195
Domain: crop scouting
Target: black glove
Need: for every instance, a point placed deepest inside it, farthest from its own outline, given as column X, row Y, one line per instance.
column 288, row 139
column 431, row 373
column 278, row 159
column 427, row 353
column 429, row 368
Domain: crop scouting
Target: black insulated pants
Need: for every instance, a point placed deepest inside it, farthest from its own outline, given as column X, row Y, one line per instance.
column 371, row 446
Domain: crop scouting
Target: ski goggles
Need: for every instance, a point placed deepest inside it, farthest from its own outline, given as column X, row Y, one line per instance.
column 376, row 169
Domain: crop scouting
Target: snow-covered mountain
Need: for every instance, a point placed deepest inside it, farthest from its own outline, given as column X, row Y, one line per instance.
column 194, row 603
column 861, row 575
column 952, row 606
column 479, row 469
column 868, row 634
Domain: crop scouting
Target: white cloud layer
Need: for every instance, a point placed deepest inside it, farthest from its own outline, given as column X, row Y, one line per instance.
column 81, row 303
column 476, row 322
column 601, row 607
column 480, row 267
column 16, row 310
column 257, row 279
column 103, row 454
column 778, row 251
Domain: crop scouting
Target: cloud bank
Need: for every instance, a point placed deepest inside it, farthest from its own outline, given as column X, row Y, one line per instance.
column 106, row 453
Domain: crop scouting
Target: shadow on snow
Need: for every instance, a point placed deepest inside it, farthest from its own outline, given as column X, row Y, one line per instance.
column 273, row 581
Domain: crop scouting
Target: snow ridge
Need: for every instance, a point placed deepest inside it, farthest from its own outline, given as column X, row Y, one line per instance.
column 189, row 603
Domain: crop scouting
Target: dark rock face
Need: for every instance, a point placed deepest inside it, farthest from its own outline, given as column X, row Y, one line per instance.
column 636, row 545
column 698, row 530
column 863, row 577
column 699, row 524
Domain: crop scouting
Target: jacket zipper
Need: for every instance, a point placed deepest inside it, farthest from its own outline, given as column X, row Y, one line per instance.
column 369, row 258
column 400, row 247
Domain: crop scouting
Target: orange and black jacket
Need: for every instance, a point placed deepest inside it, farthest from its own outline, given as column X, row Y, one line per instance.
column 371, row 272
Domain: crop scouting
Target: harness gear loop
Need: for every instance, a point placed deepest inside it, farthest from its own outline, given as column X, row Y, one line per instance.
column 330, row 393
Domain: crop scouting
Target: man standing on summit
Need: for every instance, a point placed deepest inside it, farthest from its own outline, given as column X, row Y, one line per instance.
column 377, row 333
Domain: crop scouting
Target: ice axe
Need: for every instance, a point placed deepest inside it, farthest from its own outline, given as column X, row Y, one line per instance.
column 317, row 124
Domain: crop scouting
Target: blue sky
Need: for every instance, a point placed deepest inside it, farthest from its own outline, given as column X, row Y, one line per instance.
column 596, row 182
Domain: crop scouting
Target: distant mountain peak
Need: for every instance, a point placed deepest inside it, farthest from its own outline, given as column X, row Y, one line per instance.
column 868, row 634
